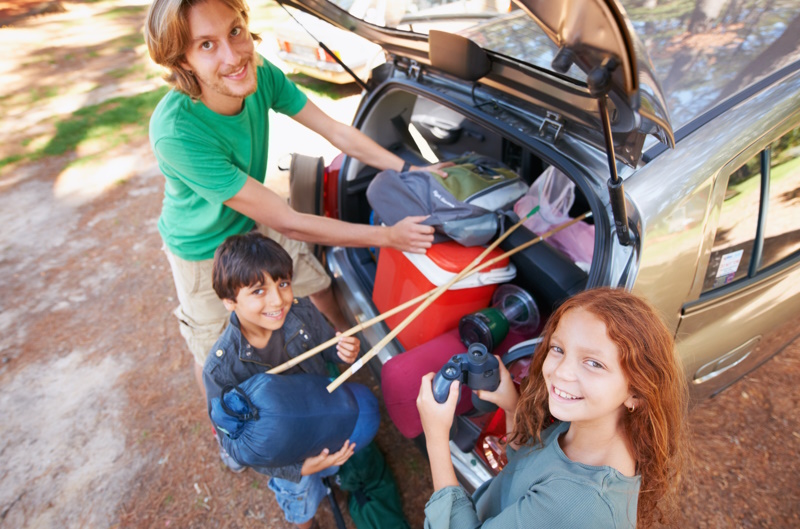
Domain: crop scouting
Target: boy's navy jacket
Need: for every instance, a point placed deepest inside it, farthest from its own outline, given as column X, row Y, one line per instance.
column 229, row 364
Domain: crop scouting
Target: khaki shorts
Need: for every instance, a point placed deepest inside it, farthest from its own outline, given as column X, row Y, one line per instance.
column 201, row 315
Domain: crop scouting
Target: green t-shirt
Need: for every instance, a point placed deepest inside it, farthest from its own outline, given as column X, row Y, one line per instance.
column 206, row 159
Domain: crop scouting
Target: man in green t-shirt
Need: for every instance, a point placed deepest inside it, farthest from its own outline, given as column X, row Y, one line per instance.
column 210, row 136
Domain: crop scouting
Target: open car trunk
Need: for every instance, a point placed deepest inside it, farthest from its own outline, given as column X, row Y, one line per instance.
column 437, row 125
column 424, row 128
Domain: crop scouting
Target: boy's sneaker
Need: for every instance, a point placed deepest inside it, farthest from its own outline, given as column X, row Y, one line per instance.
column 226, row 458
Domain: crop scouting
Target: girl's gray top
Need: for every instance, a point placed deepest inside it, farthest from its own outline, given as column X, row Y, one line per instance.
column 540, row 487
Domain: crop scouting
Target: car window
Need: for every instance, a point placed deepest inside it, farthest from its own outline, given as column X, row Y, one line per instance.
column 782, row 231
column 736, row 232
column 737, row 241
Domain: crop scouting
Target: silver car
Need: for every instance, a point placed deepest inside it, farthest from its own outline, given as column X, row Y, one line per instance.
column 679, row 124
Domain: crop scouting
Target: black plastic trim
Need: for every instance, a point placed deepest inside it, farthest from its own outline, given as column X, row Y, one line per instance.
column 763, row 209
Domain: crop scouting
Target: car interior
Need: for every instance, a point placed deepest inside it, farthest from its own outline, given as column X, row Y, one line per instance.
column 422, row 131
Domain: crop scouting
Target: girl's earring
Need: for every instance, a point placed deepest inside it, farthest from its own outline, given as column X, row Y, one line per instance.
column 632, row 409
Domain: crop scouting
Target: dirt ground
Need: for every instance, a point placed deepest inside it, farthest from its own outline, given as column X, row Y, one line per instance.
column 104, row 426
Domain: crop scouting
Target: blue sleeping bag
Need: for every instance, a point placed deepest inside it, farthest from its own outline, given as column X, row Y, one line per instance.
column 279, row 420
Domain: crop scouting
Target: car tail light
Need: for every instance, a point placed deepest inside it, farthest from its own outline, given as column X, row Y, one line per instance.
column 285, row 45
column 323, row 55
column 491, row 445
column 330, row 187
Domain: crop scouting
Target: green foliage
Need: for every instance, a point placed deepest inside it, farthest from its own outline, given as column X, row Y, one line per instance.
column 125, row 42
column 43, row 92
column 124, row 11
column 8, row 160
column 135, row 69
column 103, row 122
column 109, row 124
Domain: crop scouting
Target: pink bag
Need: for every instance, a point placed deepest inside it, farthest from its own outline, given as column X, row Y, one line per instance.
column 554, row 193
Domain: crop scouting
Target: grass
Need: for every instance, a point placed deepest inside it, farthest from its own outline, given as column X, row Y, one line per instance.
column 104, row 122
column 8, row 160
column 40, row 93
column 125, row 42
column 124, row 11
column 753, row 184
column 97, row 128
column 91, row 131
column 136, row 69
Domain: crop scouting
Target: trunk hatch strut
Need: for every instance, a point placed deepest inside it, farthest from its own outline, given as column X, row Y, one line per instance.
column 599, row 81
column 333, row 56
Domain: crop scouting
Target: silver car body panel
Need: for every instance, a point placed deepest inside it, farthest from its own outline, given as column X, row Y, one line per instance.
column 680, row 211
column 674, row 196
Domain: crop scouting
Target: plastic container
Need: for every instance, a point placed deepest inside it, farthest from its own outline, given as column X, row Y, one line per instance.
column 403, row 276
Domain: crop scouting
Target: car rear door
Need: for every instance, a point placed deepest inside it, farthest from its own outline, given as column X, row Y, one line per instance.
column 749, row 306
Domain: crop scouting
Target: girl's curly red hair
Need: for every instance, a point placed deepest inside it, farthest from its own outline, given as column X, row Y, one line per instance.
column 657, row 428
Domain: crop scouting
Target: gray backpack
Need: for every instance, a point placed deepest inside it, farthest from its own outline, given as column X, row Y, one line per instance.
column 463, row 207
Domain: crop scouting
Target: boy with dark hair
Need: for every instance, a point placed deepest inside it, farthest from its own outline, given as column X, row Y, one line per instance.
column 252, row 274
column 210, row 136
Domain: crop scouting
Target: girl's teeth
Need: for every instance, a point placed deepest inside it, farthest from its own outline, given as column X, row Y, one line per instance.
column 564, row 395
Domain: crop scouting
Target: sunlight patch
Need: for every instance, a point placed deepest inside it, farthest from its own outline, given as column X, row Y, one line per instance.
column 83, row 183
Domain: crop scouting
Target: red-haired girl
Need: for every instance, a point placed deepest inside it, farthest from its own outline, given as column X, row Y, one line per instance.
column 598, row 433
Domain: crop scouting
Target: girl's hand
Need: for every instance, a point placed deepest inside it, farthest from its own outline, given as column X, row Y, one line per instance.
column 325, row 459
column 348, row 348
column 505, row 396
column 436, row 418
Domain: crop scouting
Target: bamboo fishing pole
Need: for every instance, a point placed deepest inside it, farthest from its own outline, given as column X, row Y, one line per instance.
column 410, row 303
column 361, row 326
column 358, row 364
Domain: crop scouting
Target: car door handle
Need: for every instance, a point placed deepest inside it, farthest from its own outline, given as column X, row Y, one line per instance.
column 726, row 362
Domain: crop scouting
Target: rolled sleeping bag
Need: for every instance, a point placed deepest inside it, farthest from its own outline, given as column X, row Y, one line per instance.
column 279, row 420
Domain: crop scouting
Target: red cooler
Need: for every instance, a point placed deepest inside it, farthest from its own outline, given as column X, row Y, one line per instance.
column 403, row 276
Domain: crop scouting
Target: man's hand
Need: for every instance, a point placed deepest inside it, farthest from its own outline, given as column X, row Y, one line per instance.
column 409, row 235
column 348, row 348
column 433, row 168
column 436, row 418
column 324, row 460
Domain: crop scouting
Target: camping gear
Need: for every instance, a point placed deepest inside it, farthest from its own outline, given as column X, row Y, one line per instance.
column 374, row 498
column 460, row 206
column 429, row 299
column 271, row 420
column 554, row 193
column 402, row 375
column 476, row 369
column 512, row 307
column 401, row 276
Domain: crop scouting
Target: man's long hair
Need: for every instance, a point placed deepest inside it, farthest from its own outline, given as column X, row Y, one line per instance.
column 167, row 34
column 656, row 429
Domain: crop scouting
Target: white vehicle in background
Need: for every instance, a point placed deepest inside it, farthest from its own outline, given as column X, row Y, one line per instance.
column 302, row 52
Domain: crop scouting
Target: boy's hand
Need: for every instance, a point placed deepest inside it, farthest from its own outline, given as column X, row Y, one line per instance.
column 325, row 459
column 348, row 348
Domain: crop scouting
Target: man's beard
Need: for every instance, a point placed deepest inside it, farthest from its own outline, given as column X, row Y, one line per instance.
column 221, row 86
